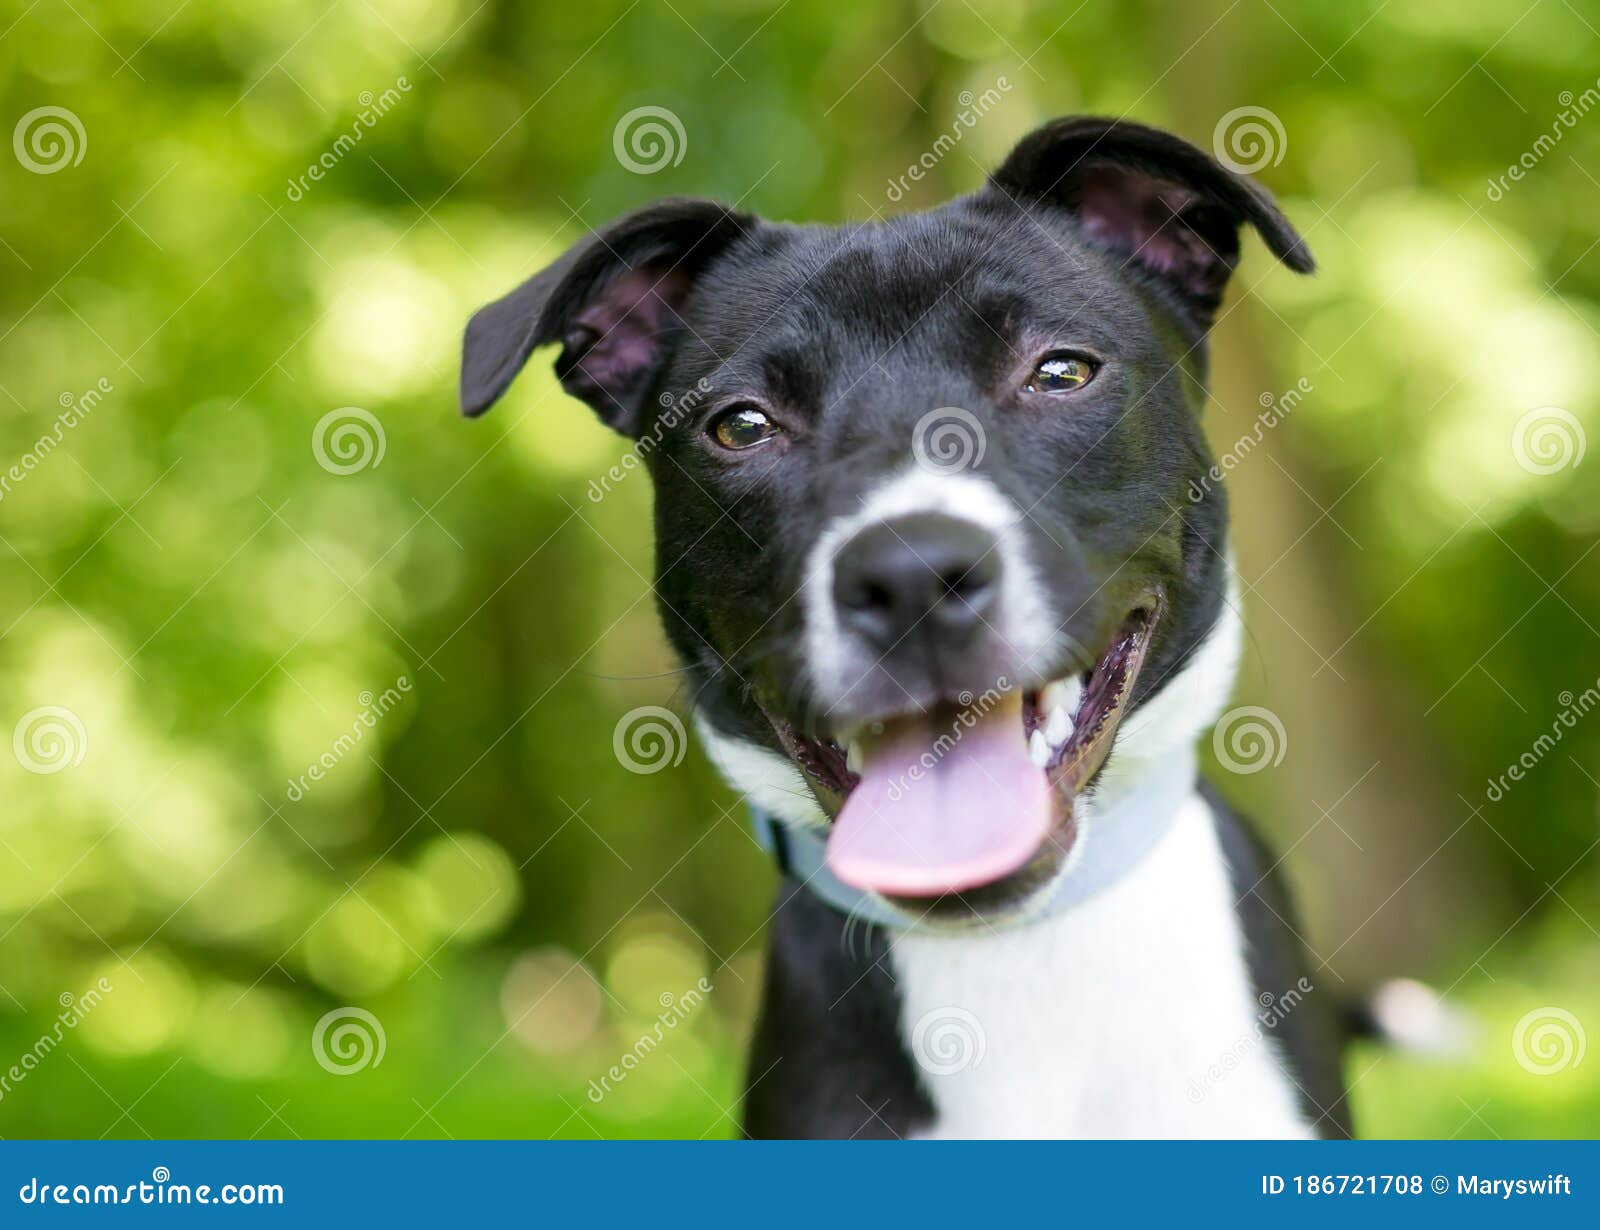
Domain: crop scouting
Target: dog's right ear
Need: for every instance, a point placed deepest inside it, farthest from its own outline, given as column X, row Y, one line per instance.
column 613, row 301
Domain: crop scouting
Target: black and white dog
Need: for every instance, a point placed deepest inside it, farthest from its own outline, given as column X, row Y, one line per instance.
column 928, row 546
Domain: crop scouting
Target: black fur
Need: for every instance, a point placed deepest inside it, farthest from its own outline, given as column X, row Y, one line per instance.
column 827, row 1051
column 849, row 335
column 1099, row 237
column 826, row 1061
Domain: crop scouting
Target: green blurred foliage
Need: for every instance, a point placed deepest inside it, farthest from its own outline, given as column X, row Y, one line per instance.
column 214, row 610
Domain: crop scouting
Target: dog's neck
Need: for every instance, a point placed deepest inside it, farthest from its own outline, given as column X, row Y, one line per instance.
column 1135, row 1015
column 1114, row 1017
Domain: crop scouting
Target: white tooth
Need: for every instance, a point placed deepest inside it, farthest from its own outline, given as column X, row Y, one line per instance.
column 1057, row 727
column 852, row 756
column 1038, row 750
column 1063, row 694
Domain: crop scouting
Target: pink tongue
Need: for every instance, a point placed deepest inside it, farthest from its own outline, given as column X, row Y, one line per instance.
column 942, row 806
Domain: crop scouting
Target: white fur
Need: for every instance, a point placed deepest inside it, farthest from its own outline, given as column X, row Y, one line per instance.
column 1024, row 625
column 771, row 782
column 1112, row 1019
column 1109, row 1020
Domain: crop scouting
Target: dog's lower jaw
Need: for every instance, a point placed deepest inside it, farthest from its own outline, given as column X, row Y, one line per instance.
column 1165, row 725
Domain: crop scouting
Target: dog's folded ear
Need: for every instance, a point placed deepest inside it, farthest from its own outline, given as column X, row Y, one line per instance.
column 1152, row 198
column 613, row 302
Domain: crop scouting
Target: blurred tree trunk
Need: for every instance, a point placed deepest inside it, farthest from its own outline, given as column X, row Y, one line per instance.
column 1378, row 873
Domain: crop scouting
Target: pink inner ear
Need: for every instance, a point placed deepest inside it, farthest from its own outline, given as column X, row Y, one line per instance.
column 1153, row 221
column 617, row 334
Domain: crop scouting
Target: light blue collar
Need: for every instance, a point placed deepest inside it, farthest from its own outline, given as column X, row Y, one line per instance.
column 1115, row 835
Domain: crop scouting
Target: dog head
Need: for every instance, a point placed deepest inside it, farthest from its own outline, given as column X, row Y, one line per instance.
column 924, row 526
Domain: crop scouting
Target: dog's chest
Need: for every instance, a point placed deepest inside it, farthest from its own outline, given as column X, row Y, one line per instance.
column 1132, row 1015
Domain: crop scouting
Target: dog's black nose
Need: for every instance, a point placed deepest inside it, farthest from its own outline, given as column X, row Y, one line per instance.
column 927, row 574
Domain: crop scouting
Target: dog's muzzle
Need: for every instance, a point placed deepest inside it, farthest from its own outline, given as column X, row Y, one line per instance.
column 917, row 586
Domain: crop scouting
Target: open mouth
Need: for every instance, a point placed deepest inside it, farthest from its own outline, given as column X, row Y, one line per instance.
column 966, row 796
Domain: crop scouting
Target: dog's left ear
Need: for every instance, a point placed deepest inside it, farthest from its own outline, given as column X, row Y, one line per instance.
column 613, row 301
column 1152, row 198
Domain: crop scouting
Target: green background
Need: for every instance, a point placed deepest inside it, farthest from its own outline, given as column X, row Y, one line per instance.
column 212, row 608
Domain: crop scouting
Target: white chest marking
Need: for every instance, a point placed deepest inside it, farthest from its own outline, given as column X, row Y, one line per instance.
column 1130, row 1015
column 1110, row 1020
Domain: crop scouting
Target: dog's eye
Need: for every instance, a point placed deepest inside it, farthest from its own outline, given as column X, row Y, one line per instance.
column 743, row 427
column 1061, row 373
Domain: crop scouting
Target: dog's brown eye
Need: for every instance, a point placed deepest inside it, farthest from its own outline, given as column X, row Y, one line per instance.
column 1061, row 373
column 743, row 427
